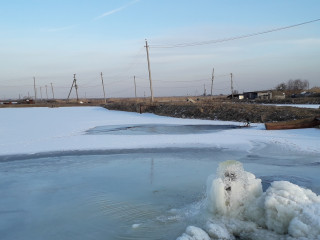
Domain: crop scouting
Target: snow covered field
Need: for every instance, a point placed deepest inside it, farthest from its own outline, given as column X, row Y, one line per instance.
column 91, row 173
column 36, row 130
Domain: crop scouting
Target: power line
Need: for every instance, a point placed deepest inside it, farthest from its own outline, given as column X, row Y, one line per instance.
column 186, row 81
column 181, row 87
column 183, row 81
column 230, row 38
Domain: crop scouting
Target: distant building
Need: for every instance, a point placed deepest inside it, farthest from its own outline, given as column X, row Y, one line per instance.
column 250, row 95
column 26, row 101
column 265, row 95
column 278, row 95
column 236, row 96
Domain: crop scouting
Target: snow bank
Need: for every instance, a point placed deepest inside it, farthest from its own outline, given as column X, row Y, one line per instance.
column 240, row 209
column 292, row 209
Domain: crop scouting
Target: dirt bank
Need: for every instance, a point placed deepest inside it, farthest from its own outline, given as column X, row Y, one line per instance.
column 228, row 111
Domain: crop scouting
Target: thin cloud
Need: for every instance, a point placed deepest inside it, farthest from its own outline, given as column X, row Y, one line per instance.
column 116, row 10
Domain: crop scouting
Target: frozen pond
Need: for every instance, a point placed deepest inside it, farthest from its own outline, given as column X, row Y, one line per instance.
column 132, row 194
column 91, row 173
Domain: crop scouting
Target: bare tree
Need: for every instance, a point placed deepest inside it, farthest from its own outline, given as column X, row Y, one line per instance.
column 298, row 84
column 281, row 87
column 293, row 85
column 306, row 83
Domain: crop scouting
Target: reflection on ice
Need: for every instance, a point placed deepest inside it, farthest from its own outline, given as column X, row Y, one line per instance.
column 239, row 208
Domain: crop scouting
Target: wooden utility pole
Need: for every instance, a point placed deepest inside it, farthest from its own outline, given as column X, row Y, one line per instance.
column 70, row 90
column 212, row 77
column 76, row 86
column 151, row 90
column 74, row 83
column 231, row 86
column 52, row 91
column 35, row 90
column 135, row 86
column 47, row 92
column 104, row 93
column 41, row 93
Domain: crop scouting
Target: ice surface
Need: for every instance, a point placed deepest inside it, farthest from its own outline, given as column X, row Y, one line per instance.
column 240, row 208
column 315, row 106
column 36, row 130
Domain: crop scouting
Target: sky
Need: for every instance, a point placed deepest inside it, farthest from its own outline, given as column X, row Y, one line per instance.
column 54, row 39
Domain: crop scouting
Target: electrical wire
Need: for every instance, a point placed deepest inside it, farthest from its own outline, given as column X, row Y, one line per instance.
column 186, row 81
column 192, row 44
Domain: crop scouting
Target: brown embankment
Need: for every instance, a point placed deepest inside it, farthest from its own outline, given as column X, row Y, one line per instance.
column 217, row 108
column 214, row 109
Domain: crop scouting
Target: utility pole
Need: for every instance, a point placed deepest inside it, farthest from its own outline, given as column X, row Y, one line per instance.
column 231, row 86
column 135, row 86
column 151, row 90
column 212, row 77
column 104, row 93
column 204, row 90
column 35, row 90
column 47, row 92
column 41, row 92
column 70, row 90
column 52, row 91
column 75, row 86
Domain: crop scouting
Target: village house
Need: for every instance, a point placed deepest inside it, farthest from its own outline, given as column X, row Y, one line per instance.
column 263, row 95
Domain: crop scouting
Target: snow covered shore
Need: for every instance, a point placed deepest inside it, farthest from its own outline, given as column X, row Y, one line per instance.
column 38, row 130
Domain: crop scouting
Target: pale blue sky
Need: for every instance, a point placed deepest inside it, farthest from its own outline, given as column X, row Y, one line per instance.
column 54, row 39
